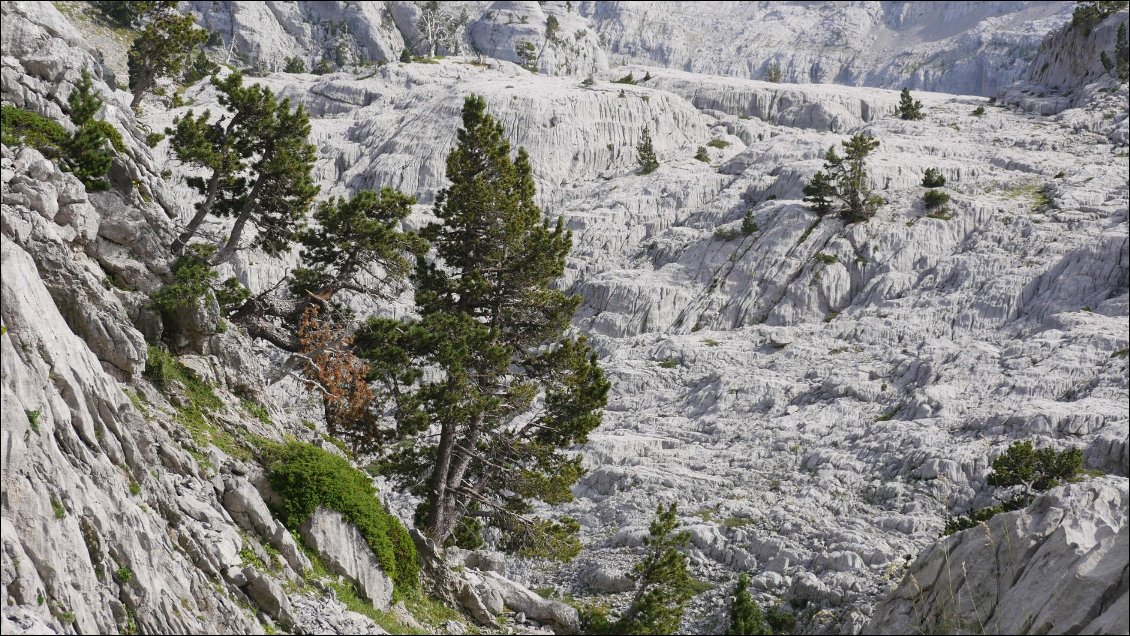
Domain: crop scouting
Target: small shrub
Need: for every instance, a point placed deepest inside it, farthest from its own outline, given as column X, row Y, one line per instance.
column 58, row 508
column 724, row 234
column 259, row 412
column 933, row 178
column 23, row 127
column 33, row 419
column 935, row 198
column 588, row 81
column 152, row 139
column 134, row 488
column 749, row 226
column 669, row 363
column 627, row 79
column 718, row 143
column 306, row 477
column 979, row 111
column 827, row 259
column 702, row 155
column 124, row 574
column 1032, row 471
column 294, row 65
column 192, row 280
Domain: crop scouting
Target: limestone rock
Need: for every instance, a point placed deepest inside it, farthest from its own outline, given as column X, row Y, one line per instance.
column 344, row 551
column 1058, row 566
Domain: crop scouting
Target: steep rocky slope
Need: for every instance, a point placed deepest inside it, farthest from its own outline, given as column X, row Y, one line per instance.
column 815, row 396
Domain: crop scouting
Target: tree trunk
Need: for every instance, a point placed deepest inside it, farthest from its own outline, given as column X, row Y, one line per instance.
column 201, row 213
column 437, row 520
column 228, row 250
column 143, row 84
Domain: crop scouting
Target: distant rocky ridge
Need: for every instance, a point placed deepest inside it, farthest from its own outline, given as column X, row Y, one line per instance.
column 968, row 48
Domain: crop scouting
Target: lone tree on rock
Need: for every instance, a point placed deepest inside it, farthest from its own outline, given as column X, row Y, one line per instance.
column 909, row 108
column 257, row 164
column 162, row 48
column 649, row 163
column 844, row 179
column 486, row 388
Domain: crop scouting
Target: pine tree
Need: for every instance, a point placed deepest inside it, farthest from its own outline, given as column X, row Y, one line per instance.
column 819, row 193
column 663, row 583
column 933, row 178
column 746, row 618
column 85, row 153
column 161, row 50
column 849, row 173
column 405, row 56
column 1034, row 470
column 909, row 108
column 649, row 163
column 773, row 73
column 492, row 330
column 257, row 164
column 129, row 13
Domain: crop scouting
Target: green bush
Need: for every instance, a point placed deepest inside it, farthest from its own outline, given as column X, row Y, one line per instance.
column 933, row 178
column 295, row 65
column 23, row 127
column 702, row 155
column 1034, row 470
column 935, row 198
column 627, row 79
column 192, row 280
column 978, row 112
column 718, row 143
column 307, row 477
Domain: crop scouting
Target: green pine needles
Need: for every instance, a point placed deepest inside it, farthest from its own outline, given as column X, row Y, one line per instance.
column 649, row 162
column 88, row 151
column 663, row 582
column 507, row 391
column 163, row 46
column 843, row 184
column 257, row 166
column 909, row 108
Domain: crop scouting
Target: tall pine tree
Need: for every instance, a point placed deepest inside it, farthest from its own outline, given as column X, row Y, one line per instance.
column 486, row 389
column 257, row 164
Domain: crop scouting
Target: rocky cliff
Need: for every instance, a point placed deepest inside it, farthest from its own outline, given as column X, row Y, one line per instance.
column 816, row 396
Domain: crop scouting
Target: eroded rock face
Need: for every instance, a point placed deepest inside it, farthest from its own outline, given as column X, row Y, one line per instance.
column 956, row 47
column 1058, row 567
column 344, row 551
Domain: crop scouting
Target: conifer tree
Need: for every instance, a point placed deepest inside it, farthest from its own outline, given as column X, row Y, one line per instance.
column 933, row 178
column 649, row 163
column 746, row 618
column 819, row 193
column 485, row 387
column 257, row 164
column 86, row 153
column 129, row 13
column 909, row 108
column 663, row 583
column 161, row 50
column 849, row 173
